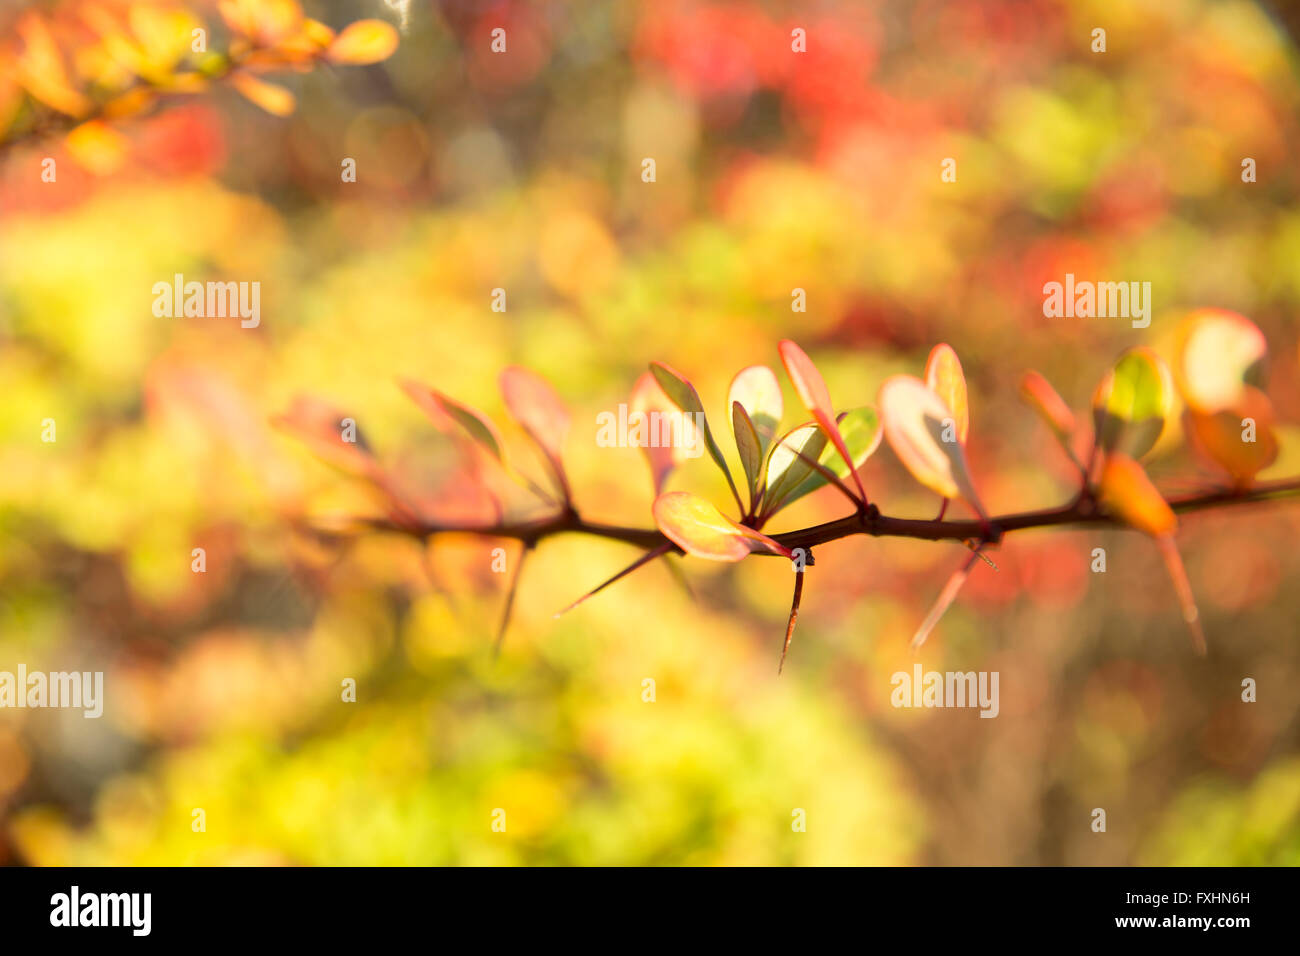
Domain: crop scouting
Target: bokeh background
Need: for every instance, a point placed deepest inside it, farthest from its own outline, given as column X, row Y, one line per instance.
column 522, row 171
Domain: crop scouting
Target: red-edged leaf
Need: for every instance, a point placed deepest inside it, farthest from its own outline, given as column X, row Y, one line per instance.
column 759, row 393
column 682, row 393
column 1220, row 353
column 945, row 378
column 1127, row 490
column 539, row 411
column 811, row 387
column 1038, row 392
column 321, row 427
column 916, row 424
column 700, row 529
column 443, row 410
column 650, row 400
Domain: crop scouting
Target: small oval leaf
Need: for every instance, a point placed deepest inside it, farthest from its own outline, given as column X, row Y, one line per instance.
column 539, row 411
column 366, row 41
column 750, row 447
column 1239, row 439
column 915, row 423
column 1038, row 392
column 759, row 393
column 682, row 393
column 788, row 468
column 944, row 376
column 812, row 390
column 475, row 424
column 700, row 529
column 862, row 434
column 1219, row 354
column 649, row 400
column 1132, row 402
column 1127, row 490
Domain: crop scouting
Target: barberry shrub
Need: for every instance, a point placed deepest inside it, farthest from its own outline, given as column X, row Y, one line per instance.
column 1217, row 379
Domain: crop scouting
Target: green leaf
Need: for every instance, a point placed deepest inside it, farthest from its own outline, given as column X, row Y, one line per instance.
column 1130, row 406
column 750, row 447
column 862, row 434
column 683, row 395
column 787, row 471
column 759, row 393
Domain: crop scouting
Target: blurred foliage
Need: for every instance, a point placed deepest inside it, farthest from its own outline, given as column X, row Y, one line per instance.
column 775, row 171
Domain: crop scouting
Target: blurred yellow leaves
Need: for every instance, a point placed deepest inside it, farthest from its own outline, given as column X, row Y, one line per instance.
column 366, row 41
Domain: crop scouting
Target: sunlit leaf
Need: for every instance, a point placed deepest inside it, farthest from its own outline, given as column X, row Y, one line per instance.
column 539, row 411
column 812, row 391
column 922, row 431
column 1220, row 353
column 1240, row 438
column 750, row 447
column 1129, row 493
column 788, row 468
column 366, row 41
column 40, row 68
column 97, row 147
column 1132, row 403
column 700, row 529
column 759, row 392
column 862, row 435
column 682, row 393
column 1126, row 490
column 475, row 424
column 944, row 376
column 276, row 100
column 1038, row 392
column 649, row 400
column 324, row 430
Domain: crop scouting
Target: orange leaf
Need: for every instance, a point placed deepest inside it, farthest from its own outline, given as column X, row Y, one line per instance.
column 1222, row 436
column 700, row 529
column 1049, row 404
column 539, row 411
column 276, row 100
column 1220, row 353
column 97, row 147
column 812, row 390
column 1128, row 491
column 649, row 399
column 324, row 430
column 945, row 378
column 366, row 41
column 917, row 423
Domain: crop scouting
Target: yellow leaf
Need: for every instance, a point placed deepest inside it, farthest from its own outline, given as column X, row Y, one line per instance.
column 1128, row 491
column 276, row 100
column 97, row 147
column 366, row 41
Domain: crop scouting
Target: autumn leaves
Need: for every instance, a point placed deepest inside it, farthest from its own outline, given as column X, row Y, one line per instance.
column 1215, row 376
column 93, row 66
